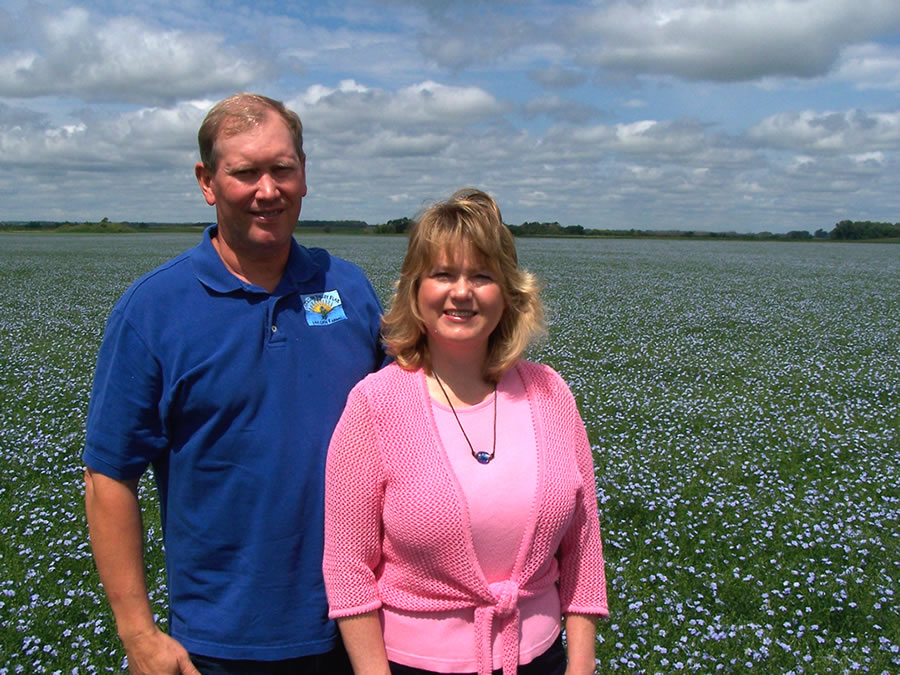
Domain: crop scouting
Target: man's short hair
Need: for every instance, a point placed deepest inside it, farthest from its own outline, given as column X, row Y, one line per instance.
column 235, row 115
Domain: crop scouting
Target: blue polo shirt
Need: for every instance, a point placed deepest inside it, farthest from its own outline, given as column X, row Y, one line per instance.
column 231, row 394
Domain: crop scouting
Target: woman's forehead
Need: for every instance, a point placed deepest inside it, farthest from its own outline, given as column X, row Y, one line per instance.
column 457, row 252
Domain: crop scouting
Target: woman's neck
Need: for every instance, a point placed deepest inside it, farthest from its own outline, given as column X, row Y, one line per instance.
column 462, row 377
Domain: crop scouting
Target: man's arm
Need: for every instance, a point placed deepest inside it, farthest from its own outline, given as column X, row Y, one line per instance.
column 117, row 540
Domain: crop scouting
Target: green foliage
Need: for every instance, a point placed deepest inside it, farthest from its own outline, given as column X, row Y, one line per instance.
column 103, row 227
column 534, row 228
column 853, row 230
column 333, row 225
column 396, row 226
column 843, row 231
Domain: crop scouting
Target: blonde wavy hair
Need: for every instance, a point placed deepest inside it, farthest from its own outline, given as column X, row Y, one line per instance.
column 470, row 218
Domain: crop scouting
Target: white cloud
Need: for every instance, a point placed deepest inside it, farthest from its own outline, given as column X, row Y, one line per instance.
column 354, row 109
column 652, row 138
column 477, row 36
column 730, row 40
column 639, row 113
column 150, row 137
column 123, row 59
column 871, row 66
column 852, row 131
column 873, row 159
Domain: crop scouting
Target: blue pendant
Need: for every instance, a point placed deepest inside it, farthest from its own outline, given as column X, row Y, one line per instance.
column 484, row 457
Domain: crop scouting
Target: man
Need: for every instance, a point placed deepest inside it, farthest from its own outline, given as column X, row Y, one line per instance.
column 226, row 369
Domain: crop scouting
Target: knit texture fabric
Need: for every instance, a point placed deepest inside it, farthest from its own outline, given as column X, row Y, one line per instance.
column 397, row 526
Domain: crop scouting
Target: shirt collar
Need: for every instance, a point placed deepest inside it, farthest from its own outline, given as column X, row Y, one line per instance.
column 212, row 273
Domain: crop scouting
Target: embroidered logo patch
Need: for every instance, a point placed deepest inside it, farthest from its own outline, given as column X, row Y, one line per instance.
column 323, row 309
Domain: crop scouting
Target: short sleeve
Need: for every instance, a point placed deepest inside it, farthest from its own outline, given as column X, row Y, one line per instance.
column 354, row 497
column 582, row 574
column 124, row 428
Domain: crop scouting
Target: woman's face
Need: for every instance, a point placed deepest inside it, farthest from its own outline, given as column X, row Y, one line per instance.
column 461, row 303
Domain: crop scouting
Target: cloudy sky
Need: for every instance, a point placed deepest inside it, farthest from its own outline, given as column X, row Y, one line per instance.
column 723, row 115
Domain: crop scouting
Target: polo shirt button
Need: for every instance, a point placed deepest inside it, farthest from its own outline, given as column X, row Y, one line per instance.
column 274, row 328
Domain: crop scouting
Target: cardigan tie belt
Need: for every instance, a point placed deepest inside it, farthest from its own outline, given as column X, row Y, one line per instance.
column 506, row 609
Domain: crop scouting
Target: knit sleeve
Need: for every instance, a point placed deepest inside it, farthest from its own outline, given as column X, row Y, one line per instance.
column 582, row 581
column 354, row 492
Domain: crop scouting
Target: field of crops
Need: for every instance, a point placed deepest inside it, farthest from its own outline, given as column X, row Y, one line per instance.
column 743, row 401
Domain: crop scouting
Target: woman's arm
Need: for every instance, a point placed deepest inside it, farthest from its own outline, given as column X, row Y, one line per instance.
column 354, row 491
column 364, row 643
column 582, row 580
column 581, row 635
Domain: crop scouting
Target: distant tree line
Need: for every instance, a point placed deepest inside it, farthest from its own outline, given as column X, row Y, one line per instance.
column 396, row 226
column 332, row 225
column 849, row 230
column 846, row 230
column 94, row 227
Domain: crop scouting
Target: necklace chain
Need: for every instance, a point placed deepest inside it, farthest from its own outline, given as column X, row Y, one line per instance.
column 480, row 457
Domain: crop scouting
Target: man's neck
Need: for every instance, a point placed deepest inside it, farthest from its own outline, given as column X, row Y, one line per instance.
column 264, row 272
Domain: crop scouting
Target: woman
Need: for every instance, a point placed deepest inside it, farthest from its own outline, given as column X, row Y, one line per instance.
column 460, row 507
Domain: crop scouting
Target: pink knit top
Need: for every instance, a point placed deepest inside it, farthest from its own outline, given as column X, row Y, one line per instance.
column 397, row 526
column 498, row 499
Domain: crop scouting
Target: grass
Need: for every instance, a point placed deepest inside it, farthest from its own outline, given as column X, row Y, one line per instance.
column 742, row 399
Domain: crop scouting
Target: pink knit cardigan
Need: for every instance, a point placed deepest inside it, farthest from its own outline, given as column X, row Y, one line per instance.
column 397, row 529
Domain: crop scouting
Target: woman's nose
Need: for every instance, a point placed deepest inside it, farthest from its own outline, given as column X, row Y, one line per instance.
column 461, row 287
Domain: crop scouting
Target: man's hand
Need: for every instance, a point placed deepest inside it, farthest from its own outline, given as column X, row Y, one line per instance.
column 155, row 653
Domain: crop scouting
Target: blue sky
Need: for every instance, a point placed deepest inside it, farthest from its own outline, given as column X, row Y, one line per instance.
column 721, row 115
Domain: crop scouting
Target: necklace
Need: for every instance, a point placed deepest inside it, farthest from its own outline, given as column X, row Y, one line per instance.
column 481, row 457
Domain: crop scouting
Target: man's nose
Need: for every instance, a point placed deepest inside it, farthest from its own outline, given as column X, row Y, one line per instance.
column 266, row 187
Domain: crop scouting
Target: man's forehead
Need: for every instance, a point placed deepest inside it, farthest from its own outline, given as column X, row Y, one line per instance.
column 234, row 125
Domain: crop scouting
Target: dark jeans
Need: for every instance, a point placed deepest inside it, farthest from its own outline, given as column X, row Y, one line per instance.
column 551, row 662
column 334, row 662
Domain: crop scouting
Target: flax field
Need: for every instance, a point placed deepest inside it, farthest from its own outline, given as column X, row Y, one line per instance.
column 742, row 400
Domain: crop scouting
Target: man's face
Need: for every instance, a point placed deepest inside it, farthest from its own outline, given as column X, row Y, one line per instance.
column 257, row 188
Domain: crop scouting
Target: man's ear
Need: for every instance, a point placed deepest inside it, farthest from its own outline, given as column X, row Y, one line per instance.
column 303, row 168
column 204, row 178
